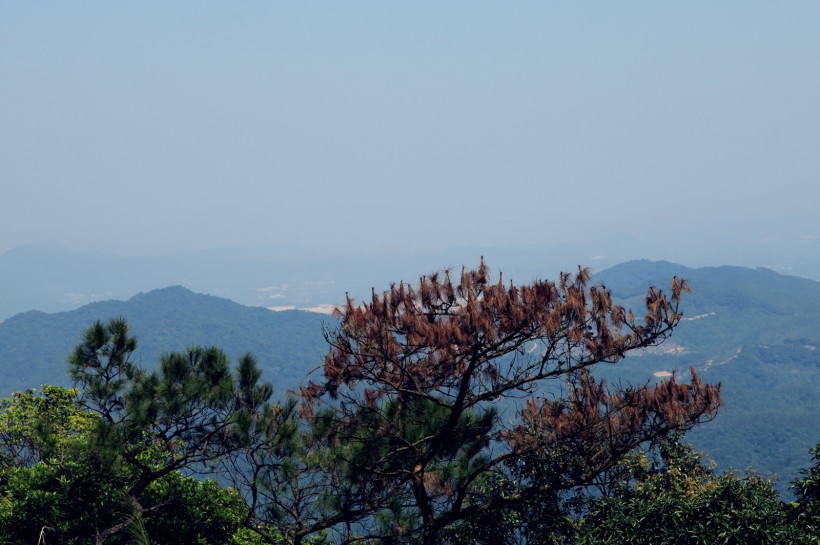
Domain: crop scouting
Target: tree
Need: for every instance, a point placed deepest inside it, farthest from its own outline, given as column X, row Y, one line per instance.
column 193, row 512
column 45, row 427
column 807, row 490
column 187, row 415
column 43, row 441
column 51, row 482
column 675, row 499
column 435, row 407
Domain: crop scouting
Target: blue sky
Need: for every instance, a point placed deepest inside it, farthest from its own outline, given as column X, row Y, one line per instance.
column 157, row 127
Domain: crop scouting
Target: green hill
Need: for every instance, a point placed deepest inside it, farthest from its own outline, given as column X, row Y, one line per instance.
column 729, row 306
column 34, row 345
column 757, row 333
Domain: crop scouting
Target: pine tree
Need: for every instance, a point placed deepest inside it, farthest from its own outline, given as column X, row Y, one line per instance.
column 186, row 415
column 410, row 434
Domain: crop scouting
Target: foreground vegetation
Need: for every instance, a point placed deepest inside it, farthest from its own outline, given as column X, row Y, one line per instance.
column 427, row 427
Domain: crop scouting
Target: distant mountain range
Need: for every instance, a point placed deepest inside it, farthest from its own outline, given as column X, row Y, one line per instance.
column 34, row 345
column 54, row 279
column 754, row 330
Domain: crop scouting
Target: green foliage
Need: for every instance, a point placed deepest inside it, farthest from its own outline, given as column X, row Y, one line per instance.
column 185, row 511
column 731, row 510
column 807, row 485
column 32, row 498
column 416, row 419
column 185, row 415
column 48, row 477
column 193, row 512
column 681, row 502
column 54, row 476
column 544, row 518
column 807, row 489
column 45, row 427
column 246, row 536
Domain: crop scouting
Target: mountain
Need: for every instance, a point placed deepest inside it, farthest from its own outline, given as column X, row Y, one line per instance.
column 34, row 345
column 56, row 279
column 756, row 332
column 753, row 330
column 729, row 307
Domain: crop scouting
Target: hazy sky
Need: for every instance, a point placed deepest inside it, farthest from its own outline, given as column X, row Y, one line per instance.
column 153, row 127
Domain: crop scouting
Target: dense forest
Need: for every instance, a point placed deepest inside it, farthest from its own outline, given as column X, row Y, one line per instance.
column 463, row 409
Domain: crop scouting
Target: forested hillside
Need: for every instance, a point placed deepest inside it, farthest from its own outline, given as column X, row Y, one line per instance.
column 288, row 344
column 757, row 333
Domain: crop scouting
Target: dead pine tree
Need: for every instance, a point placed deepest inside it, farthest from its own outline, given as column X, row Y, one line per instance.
column 406, row 411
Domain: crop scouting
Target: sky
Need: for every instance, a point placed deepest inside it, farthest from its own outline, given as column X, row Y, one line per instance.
column 147, row 128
